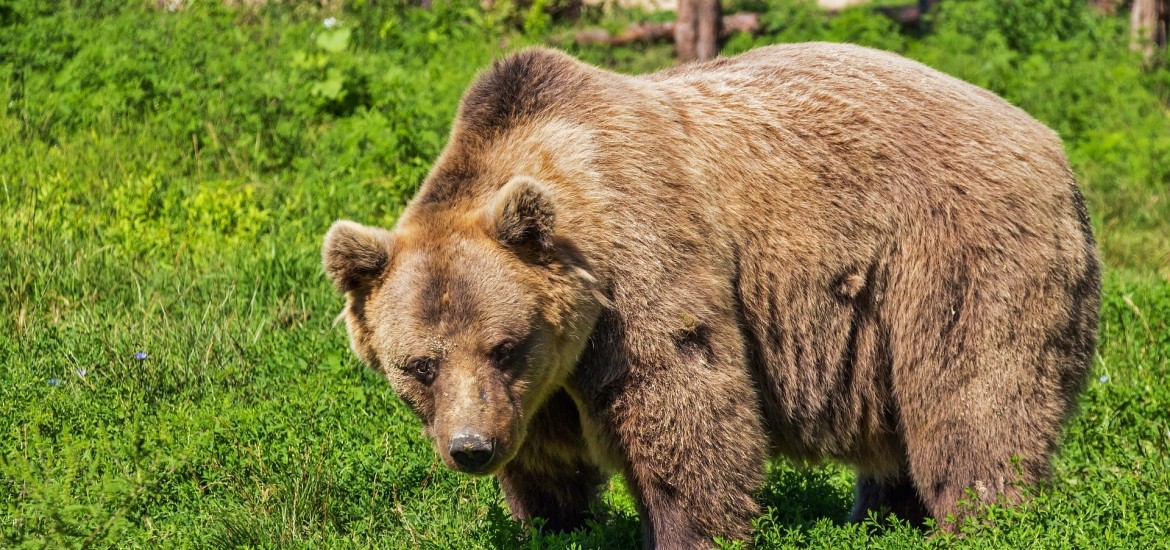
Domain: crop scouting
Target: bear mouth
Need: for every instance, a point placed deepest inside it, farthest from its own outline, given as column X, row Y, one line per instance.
column 488, row 469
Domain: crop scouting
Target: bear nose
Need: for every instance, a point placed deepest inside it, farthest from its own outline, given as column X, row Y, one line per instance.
column 471, row 451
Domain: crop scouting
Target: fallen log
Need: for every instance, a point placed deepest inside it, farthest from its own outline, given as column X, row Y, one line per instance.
column 652, row 32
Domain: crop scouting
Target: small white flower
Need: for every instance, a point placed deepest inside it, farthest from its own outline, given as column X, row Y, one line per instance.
column 1103, row 379
column 81, row 372
column 330, row 22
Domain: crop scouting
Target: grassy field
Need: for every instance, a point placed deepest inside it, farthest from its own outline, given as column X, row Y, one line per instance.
column 171, row 374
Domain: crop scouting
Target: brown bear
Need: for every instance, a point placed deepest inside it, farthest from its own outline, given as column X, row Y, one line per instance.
column 810, row 250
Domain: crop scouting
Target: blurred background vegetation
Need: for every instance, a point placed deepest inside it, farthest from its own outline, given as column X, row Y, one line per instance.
column 167, row 169
column 220, row 118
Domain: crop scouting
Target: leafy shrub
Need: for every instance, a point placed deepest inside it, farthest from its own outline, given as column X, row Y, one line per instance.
column 1023, row 25
column 787, row 21
column 210, row 94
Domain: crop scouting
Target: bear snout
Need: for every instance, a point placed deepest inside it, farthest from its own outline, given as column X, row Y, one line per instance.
column 471, row 452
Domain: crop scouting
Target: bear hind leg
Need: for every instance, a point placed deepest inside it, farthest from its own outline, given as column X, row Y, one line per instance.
column 960, row 465
column 981, row 384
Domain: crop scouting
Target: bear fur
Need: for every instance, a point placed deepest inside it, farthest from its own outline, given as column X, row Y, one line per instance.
column 816, row 251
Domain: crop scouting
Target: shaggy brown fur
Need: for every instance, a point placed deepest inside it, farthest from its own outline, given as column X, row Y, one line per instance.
column 814, row 250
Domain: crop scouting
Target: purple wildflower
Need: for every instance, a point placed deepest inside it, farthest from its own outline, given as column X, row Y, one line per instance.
column 81, row 372
column 54, row 382
column 141, row 356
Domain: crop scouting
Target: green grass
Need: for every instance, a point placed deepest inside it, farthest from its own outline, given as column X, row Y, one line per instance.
column 171, row 202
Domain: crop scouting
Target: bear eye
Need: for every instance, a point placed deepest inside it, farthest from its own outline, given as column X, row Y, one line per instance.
column 424, row 369
column 503, row 352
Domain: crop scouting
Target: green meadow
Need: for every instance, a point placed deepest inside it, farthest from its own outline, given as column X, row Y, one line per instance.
column 171, row 372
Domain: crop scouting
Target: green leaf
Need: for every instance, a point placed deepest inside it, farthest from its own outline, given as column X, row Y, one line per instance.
column 330, row 88
column 334, row 40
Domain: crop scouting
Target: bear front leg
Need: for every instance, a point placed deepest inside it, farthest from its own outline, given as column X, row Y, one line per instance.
column 694, row 470
column 885, row 495
column 563, row 498
column 551, row 476
column 691, row 439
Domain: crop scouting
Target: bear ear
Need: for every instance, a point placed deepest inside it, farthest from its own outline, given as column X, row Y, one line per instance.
column 522, row 217
column 354, row 255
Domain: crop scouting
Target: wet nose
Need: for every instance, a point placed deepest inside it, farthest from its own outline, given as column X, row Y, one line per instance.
column 471, row 451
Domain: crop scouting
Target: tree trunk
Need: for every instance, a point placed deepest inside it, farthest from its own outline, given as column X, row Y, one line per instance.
column 1148, row 24
column 696, row 32
column 685, row 30
column 708, row 39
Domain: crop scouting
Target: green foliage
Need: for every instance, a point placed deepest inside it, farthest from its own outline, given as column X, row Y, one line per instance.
column 786, row 21
column 1021, row 25
column 165, row 178
column 537, row 21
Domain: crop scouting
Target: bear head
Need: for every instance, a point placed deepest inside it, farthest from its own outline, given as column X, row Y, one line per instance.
column 475, row 314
